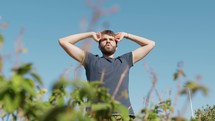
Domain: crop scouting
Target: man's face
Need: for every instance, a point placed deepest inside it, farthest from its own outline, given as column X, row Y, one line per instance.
column 107, row 44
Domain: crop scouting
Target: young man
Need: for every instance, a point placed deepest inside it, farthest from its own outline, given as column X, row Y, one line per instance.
column 108, row 68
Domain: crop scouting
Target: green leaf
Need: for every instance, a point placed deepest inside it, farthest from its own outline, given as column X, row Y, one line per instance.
column 178, row 74
column 101, row 106
column 85, row 90
column 175, row 76
column 51, row 99
column 25, row 68
column 60, row 101
column 122, row 110
column 1, row 78
column 204, row 90
column 16, row 82
column 1, row 63
column 3, row 88
column 11, row 103
column 28, row 86
column 61, row 83
column 36, row 77
column 1, row 40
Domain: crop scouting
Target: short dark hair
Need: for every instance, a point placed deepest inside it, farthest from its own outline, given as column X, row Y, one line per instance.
column 108, row 32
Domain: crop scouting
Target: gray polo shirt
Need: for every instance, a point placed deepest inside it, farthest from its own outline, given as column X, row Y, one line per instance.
column 113, row 69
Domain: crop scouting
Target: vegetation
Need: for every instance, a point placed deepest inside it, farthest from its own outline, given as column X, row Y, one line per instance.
column 206, row 113
column 21, row 97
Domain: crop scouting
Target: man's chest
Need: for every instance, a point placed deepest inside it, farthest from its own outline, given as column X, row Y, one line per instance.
column 109, row 65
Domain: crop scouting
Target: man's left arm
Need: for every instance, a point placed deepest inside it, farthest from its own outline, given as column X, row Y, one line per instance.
column 146, row 45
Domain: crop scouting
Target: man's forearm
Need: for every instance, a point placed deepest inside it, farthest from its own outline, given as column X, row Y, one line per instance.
column 146, row 46
column 67, row 43
column 139, row 40
column 72, row 39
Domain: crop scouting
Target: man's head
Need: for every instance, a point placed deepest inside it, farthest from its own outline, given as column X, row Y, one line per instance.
column 107, row 43
column 108, row 32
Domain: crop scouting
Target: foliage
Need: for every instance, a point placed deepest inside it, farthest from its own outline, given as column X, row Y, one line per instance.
column 21, row 99
column 158, row 112
column 194, row 87
column 206, row 113
column 1, row 40
column 18, row 96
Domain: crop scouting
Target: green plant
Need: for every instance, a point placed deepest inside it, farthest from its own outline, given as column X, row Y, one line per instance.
column 21, row 93
column 206, row 113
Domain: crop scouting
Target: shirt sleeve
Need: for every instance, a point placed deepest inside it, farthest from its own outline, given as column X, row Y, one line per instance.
column 88, row 58
column 129, row 58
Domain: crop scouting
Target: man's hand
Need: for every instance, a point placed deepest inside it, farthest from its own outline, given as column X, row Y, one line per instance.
column 119, row 36
column 96, row 36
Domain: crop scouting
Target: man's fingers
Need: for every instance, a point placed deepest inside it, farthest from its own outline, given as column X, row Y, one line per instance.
column 98, row 34
column 117, row 36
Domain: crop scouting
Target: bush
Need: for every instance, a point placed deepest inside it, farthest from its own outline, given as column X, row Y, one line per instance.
column 206, row 113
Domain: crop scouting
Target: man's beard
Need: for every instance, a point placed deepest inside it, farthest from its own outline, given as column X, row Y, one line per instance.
column 108, row 52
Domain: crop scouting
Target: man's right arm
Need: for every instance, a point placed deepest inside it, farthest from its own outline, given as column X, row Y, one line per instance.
column 67, row 43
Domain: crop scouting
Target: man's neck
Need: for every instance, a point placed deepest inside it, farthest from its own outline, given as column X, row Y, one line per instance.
column 108, row 56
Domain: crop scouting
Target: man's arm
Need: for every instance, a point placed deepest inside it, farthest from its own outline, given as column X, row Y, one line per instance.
column 146, row 45
column 67, row 43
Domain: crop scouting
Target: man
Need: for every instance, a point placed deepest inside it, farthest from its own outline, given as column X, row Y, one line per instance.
column 108, row 68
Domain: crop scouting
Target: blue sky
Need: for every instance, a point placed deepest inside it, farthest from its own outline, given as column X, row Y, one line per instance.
column 183, row 31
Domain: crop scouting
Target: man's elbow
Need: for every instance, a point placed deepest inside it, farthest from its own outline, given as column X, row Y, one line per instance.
column 60, row 41
column 152, row 44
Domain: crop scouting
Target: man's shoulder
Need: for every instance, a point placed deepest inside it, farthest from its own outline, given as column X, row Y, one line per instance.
column 128, row 57
column 89, row 57
column 125, row 55
column 90, row 54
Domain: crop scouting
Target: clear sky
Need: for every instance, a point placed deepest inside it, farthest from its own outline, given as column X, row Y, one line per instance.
column 183, row 31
